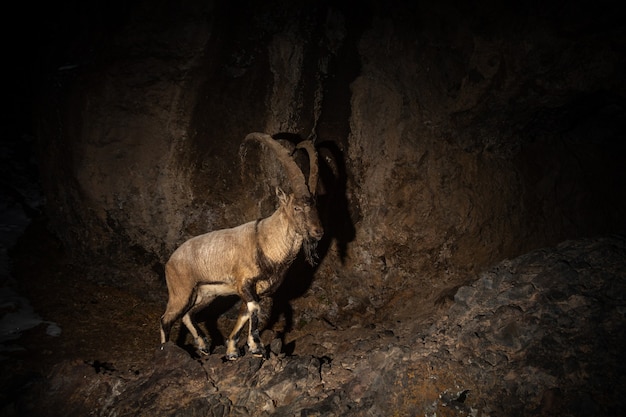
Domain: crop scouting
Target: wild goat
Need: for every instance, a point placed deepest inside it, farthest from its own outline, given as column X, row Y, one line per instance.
column 249, row 260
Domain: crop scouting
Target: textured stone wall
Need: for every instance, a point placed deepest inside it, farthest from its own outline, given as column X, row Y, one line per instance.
column 450, row 137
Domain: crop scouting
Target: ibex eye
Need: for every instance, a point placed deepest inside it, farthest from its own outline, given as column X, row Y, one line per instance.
column 297, row 208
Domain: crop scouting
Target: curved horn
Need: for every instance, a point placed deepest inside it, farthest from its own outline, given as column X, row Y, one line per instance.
column 313, row 168
column 296, row 177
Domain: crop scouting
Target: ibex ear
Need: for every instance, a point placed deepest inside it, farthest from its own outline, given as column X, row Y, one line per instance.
column 282, row 197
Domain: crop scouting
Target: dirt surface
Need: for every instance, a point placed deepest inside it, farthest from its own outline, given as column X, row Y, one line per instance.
column 100, row 323
column 543, row 331
column 113, row 328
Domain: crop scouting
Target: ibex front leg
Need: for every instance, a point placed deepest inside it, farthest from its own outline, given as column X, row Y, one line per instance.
column 249, row 311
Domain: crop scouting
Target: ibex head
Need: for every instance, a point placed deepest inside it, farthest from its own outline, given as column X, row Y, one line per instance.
column 299, row 205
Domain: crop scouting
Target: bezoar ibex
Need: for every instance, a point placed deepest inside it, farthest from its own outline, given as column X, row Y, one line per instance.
column 249, row 260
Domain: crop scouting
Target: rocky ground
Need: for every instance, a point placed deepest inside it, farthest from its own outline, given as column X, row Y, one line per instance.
column 541, row 334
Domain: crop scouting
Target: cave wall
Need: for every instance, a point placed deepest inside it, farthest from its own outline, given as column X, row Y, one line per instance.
column 452, row 136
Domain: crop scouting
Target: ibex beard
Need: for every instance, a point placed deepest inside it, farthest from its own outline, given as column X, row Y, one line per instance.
column 249, row 260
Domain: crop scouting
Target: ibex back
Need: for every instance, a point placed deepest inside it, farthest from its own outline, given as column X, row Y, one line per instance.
column 248, row 260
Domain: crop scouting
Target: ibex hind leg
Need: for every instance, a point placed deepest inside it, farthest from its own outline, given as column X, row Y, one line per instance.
column 176, row 307
column 167, row 320
column 198, row 335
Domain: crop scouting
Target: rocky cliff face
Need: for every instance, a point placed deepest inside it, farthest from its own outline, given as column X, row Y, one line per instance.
column 454, row 136
column 450, row 136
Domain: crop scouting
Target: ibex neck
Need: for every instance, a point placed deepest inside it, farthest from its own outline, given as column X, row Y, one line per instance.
column 278, row 238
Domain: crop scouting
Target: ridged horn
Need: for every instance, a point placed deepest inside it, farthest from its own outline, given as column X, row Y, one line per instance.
column 310, row 150
column 295, row 175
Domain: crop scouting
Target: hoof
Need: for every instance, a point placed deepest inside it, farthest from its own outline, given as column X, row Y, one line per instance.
column 258, row 352
column 202, row 345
